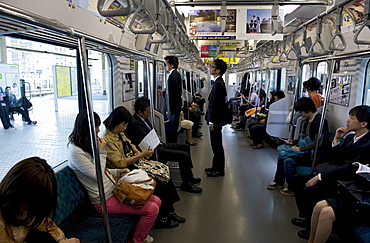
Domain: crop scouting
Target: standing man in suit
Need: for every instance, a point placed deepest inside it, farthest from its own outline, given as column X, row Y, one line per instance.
column 215, row 118
column 174, row 95
column 140, row 126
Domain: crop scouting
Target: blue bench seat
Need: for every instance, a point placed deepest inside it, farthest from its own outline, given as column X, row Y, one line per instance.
column 76, row 216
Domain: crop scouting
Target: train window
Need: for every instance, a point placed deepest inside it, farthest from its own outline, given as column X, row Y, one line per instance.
column 47, row 75
column 232, row 79
column 273, row 81
column 366, row 100
column 322, row 73
column 140, row 77
column 306, row 72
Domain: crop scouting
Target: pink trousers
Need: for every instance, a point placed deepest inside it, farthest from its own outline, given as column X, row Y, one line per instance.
column 148, row 214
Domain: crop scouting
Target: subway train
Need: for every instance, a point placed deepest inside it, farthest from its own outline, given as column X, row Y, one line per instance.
column 64, row 56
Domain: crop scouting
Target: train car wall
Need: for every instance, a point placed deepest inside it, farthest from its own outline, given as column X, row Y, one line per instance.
column 77, row 18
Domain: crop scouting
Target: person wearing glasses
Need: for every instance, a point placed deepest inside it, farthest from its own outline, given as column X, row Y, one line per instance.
column 215, row 117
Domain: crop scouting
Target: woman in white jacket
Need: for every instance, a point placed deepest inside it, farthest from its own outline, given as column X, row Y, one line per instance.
column 82, row 163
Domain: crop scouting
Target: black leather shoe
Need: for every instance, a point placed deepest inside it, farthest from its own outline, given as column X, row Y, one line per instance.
column 174, row 217
column 299, row 222
column 191, row 144
column 195, row 180
column 165, row 223
column 304, row 234
column 190, row 188
column 209, row 169
column 215, row 173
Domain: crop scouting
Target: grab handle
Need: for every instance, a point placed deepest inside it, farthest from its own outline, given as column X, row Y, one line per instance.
column 140, row 9
column 102, row 4
column 338, row 33
column 365, row 24
column 318, row 40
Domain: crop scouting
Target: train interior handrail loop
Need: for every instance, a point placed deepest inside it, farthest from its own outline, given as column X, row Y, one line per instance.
column 142, row 9
column 104, row 4
column 338, row 33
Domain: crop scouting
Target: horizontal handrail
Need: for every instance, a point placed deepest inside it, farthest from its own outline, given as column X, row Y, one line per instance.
column 103, row 4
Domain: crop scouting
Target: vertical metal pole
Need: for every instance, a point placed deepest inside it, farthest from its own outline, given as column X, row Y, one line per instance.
column 90, row 115
column 323, row 114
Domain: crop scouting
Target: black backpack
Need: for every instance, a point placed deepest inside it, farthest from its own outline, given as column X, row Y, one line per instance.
column 25, row 103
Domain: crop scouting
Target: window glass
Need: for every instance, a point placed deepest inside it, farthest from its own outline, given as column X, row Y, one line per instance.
column 322, row 74
column 140, row 77
column 50, row 82
column 366, row 100
column 306, row 72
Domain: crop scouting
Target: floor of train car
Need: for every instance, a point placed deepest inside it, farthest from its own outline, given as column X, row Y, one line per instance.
column 238, row 207
column 233, row 209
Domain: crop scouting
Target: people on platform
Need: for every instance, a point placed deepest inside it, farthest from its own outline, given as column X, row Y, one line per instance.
column 81, row 161
column 215, row 117
column 173, row 96
column 4, row 112
column 28, row 196
column 140, row 126
column 15, row 105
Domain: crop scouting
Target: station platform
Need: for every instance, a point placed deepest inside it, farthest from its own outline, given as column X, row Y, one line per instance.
column 47, row 139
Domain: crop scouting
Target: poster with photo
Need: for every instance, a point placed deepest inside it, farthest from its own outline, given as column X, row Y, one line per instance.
column 128, row 86
column 259, row 21
column 206, row 24
column 340, row 89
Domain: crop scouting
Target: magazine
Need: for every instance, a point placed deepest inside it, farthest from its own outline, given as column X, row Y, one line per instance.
column 362, row 168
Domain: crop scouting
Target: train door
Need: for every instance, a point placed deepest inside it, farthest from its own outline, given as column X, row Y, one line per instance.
column 140, row 78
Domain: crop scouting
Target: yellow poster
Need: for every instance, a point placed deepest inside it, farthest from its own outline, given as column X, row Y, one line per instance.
column 63, row 77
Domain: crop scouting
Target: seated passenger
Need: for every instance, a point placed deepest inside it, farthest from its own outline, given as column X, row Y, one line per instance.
column 355, row 147
column 200, row 101
column 15, row 105
column 195, row 116
column 188, row 126
column 122, row 154
column 141, row 126
column 4, row 113
column 313, row 86
column 249, row 100
column 28, row 196
column 286, row 168
column 81, row 161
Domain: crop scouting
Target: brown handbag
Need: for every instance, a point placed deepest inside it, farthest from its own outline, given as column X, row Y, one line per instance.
column 132, row 195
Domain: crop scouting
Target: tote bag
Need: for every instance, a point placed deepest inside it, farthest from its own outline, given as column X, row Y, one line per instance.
column 285, row 151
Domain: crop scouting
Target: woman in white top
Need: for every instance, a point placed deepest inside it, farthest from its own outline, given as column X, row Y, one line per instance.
column 80, row 159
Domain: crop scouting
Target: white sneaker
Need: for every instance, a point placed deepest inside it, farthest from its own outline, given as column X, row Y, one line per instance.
column 149, row 239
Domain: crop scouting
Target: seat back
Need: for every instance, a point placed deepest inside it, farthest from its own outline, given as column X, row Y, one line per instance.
column 159, row 126
column 276, row 125
column 70, row 193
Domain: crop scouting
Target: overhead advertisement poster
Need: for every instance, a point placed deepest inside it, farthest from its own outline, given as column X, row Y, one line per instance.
column 206, row 25
column 256, row 24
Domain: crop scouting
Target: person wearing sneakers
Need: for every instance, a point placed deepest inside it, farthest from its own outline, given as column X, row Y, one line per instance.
column 286, row 168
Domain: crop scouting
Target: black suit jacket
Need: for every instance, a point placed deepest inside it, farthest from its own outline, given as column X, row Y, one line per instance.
column 175, row 92
column 342, row 156
column 137, row 129
column 217, row 103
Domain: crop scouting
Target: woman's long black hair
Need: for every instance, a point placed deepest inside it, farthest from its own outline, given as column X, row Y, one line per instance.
column 80, row 135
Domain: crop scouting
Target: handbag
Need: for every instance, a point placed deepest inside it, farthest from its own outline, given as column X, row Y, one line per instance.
column 285, row 151
column 131, row 193
column 155, row 169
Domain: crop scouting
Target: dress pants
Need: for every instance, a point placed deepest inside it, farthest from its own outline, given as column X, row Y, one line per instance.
column 180, row 153
column 4, row 116
column 218, row 161
column 257, row 132
column 307, row 197
column 168, row 195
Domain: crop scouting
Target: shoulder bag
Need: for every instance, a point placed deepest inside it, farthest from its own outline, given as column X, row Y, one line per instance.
column 155, row 169
column 285, row 151
column 131, row 194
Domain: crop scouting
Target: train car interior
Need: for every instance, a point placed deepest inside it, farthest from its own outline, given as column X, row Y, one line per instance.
column 59, row 57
